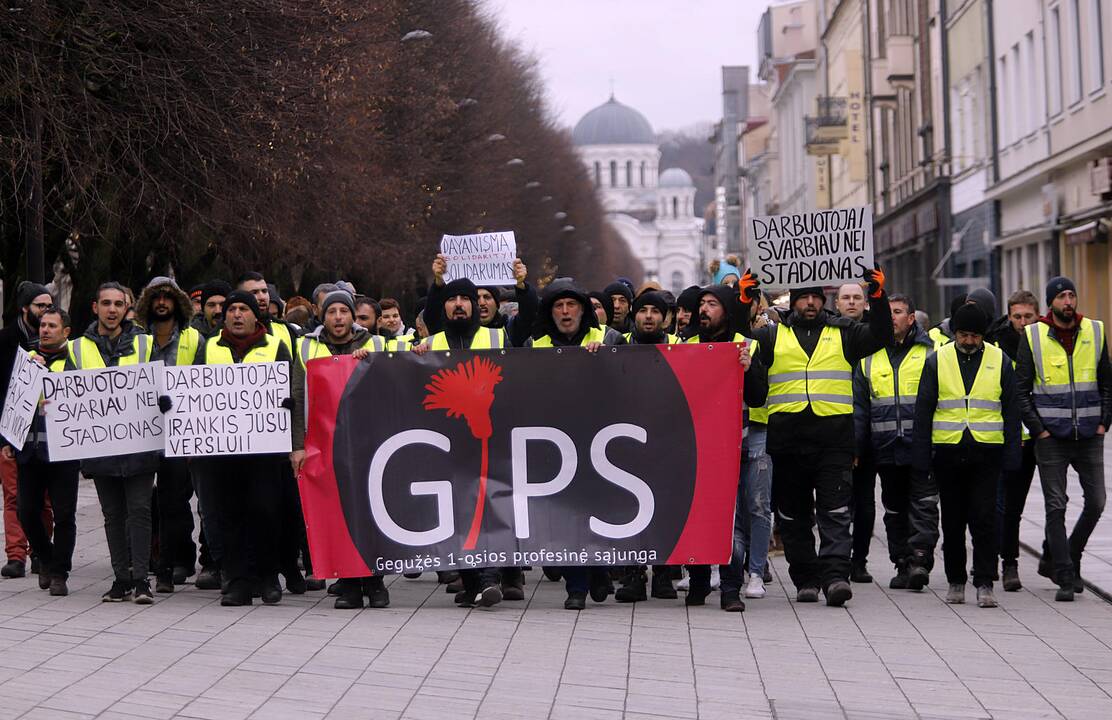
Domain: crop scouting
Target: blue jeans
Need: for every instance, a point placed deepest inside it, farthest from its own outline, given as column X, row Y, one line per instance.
column 753, row 512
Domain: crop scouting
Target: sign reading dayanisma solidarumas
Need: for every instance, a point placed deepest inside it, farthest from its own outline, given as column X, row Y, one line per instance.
column 108, row 411
column 24, row 389
column 485, row 259
column 825, row 247
column 231, row 409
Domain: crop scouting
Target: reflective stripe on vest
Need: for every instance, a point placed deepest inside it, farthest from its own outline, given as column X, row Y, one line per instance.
column 86, row 355
column 593, row 335
column 979, row 411
column 402, row 343
column 824, row 380
column 217, row 354
column 483, row 339
column 1065, row 390
column 310, row 348
column 892, row 393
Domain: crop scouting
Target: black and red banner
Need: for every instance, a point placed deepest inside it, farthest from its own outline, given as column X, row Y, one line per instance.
column 522, row 457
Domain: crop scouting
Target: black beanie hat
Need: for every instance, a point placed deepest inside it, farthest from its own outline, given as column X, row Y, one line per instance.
column 970, row 318
column 27, row 291
column 1058, row 285
column 957, row 302
column 215, row 287
column 653, row 298
column 461, row 286
column 796, row 293
column 689, row 299
column 607, row 304
column 618, row 288
column 241, row 296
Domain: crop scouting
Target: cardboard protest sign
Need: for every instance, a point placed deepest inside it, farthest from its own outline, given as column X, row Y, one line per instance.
column 103, row 412
column 24, row 389
column 486, row 259
column 824, row 247
column 227, row 409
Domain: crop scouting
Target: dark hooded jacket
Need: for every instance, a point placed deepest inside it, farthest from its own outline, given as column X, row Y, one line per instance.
column 755, row 388
column 517, row 328
column 618, row 288
column 607, row 304
column 458, row 335
column 788, row 432
column 544, row 325
column 183, row 313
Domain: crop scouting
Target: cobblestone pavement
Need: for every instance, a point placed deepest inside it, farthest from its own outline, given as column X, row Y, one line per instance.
column 888, row 655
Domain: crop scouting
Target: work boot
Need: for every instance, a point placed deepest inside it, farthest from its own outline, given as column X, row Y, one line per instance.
column 36, row 565
column 859, row 573
column 208, row 579
column 271, row 590
column 837, row 593
column 13, row 569
column 349, row 594
column 902, row 580
column 661, row 587
column 985, row 597
column 295, row 582
column 337, row 588
column 464, row 599
column 1065, row 593
column 1078, row 583
column 58, row 586
column 767, row 576
column 454, row 586
column 956, row 594
column 182, row 573
column 755, row 588
column 918, row 570
column 44, row 581
column 374, row 588
column 575, row 601
column 164, row 583
column 600, row 587
column 238, row 594
column 552, row 573
column 314, row 583
column 807, row 595
column 1009, row 576
column 697, row 594
column 446, row 576
column 731, row 602
column 411, row 576
column 489, row 597
column 513, row 584
column 634, row 588
column 1046, row 565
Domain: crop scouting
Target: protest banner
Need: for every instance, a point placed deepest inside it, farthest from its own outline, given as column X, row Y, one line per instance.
column 824, row 247
column 103, row 412
column 472, row 459
column 22, row 398
column 227, row 409
column 486, row 259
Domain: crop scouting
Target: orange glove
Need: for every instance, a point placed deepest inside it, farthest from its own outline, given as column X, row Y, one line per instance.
column 875, row 278
column 748, row 287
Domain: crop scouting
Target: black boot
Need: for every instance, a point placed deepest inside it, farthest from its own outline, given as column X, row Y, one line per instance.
column 208, row 579
column 918, row 570
column 860, row 573
column 271, row 590
column 1078, row 583
column 837, row 593
column 697, row 594
column 1009, row 575
column 239, row 593
column 14, row 569
column 349, row 594
column 575, row 601
column 552, row 573
column 375, row 589
column 732, row 602
column 662, row 587
column 446, row 576
column 513, row 584
column 295, row 582
column 600, row 587
column 902, row 580
column 634, row 587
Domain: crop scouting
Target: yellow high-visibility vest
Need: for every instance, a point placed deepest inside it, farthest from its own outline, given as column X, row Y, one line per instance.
column 310, row 348
column 824, row 380
column 979, row 411
column 593, row 335
column 892, row 392
column 86, row 355
column 1065, row 392
column 217, row 354
column 401, row 343
column 669, row 339
column 483, row 339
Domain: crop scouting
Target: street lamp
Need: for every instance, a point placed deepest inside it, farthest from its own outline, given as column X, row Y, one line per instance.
column 416, row 35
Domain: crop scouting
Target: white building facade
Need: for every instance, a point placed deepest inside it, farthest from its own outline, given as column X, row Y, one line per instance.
column 652, row 210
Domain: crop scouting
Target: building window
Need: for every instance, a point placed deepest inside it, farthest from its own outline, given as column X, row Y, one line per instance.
column 1054, row 63
column 598, row 173
column 629, row 173
column 686, row 206
column 642, row 174
column 1075, row 52
column 1033, row 83
column 1019, row 95
column 1096, row 46
column 613, row 174
column 1006, row 117
column 675, row 207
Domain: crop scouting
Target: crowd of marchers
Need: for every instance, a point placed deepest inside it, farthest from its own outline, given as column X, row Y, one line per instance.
column 954, row 418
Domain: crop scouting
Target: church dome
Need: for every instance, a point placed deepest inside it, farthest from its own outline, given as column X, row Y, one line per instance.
column 675, row 177
column 613, row 123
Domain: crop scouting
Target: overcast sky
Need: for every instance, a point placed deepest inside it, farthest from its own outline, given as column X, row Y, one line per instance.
column 664, row 56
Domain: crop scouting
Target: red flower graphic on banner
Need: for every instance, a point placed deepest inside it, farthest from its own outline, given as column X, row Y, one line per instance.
column 467, row 391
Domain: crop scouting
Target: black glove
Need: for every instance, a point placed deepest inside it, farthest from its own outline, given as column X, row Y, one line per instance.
column 289, row 403
column 165, row 403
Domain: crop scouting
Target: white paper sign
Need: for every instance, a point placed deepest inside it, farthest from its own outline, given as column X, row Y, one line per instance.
column 825, row 247
column 486, row 259
column 227, row 409
column 24, row 389
column 103, row 412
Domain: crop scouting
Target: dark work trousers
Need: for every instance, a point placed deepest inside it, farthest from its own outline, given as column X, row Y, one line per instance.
column 808, row 487
column 205, row 473
column 580, row 578
column 864, row 507
column 1054, row 457
column 1011, row 498
column 175, row 516
column 126, row 504
column 967, row 478
column 475, row 581
column 247, row 500
column 38, row 481
column 294, row 543
column 895, row 496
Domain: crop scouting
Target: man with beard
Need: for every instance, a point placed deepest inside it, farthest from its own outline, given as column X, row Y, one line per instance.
column 603, row 307
column 123, row 482
column 687, row 309
column 565, row 319
column 245, row 491
column 810, row 358
column 885, row 389
column 517, row 327
column 621, row 297
column 40, row 479
column 212, row 307
column 339, row 334
column 32, row 300
column 718, row 315
column 1065, row 387
column 966, row 433
column 366, row 313
column 164, row 309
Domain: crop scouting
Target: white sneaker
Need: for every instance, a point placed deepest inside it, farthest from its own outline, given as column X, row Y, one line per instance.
column 715, row 579
column 756, row 587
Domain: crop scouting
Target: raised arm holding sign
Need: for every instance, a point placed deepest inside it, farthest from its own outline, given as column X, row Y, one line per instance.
column 486, row 259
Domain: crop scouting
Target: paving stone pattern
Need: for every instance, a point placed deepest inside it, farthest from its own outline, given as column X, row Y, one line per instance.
column 888, row 655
